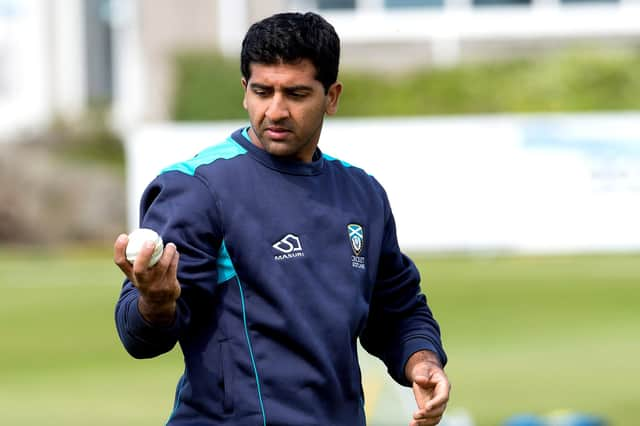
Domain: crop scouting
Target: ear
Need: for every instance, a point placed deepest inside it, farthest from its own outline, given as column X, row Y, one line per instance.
column 243, row 81
column 333, row 98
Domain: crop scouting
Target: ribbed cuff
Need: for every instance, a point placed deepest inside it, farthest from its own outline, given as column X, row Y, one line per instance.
column 411, row 346
column 142, row 330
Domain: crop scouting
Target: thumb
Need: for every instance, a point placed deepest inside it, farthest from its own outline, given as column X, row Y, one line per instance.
column 423, row 388
column 171, row 252
column 422, row 380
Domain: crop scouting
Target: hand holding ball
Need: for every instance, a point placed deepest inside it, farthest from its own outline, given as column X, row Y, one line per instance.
column 136, row 241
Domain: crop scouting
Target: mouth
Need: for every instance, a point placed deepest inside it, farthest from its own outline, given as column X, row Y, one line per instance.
column 276, row 132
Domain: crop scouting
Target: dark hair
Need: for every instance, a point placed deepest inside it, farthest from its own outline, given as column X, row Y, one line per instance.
column 289, row 38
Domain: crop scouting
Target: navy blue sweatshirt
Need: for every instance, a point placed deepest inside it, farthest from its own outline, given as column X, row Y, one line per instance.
column 283, row 266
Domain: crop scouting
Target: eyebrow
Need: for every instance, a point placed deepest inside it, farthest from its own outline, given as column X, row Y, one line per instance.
column 299, row 87
column 259, row 86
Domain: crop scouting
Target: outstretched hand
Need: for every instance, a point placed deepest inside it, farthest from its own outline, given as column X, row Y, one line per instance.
column 158, row 285
column 431, row 389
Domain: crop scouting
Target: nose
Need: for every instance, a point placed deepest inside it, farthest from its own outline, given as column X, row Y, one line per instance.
column 277, row 109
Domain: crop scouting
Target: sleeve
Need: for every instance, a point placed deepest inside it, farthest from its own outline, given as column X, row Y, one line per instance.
column 400, row 322
column 182, row 209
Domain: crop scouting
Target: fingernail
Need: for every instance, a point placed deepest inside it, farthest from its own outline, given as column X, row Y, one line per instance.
column 149, row 244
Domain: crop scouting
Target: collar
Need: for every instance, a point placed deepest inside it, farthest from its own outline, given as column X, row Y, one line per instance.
column 280, row 164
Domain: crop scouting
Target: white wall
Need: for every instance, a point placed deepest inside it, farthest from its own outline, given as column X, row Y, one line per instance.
column 442, row 30
column 68, row 73
column 42, row 63
column 129, row 86
column 25, row 95
column 547, row 183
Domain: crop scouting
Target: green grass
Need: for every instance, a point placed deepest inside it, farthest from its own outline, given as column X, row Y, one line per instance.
column 524, row 334
column 61, row 362
column 538, row 334
column 577, row 80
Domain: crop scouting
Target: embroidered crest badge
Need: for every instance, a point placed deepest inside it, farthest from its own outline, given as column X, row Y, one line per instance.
column 356, row 236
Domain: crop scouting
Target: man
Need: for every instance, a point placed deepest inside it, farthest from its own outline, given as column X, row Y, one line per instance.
column 280, row 258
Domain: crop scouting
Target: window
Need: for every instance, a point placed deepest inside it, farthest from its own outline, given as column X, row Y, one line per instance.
column 426, row 4
column 394, row 4
column 587, row 1
column 482, row 3
column 336, row 4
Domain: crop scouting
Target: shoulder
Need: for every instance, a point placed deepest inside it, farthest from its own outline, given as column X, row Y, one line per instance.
column 345, row 166
column 356, row 178
column 225, row 150
column 351, row 170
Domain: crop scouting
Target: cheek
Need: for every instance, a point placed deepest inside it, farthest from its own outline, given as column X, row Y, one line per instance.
column 253, row 108
column 312, row 114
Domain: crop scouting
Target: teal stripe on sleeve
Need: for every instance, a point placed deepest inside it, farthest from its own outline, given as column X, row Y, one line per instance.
column 253, row 360
column 226, row 271
column 223, row 151
column 176, row 403
column 330, row 158
column 245, row 133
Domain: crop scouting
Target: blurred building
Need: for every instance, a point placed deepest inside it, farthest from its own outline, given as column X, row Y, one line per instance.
column 57, row 57
column 55, row 60
column 378, row 34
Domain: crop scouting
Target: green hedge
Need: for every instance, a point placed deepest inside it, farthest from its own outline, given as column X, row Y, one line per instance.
column 208, row 87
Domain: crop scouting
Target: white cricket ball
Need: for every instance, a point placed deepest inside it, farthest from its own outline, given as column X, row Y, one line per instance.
column 137, row 239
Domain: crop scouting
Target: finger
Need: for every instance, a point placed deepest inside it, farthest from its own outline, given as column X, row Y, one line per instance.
column 119, row 254
column 434, row 412
column 422, row 390
column 440, row 394
column 167, row 258
column 175, row 260
column 173, row 270
column 435, row 389
column 430, row 414
column 426, row 422
column 169, row 262
column 423, row 381
column 141, row 264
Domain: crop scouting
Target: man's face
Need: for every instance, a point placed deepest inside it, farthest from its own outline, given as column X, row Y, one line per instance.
column 286, row 107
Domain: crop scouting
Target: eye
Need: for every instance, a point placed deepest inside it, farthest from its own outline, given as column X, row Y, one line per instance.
column 261, row 91
column 298, row 95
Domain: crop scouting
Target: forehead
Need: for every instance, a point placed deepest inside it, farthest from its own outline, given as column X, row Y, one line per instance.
column 284, row 74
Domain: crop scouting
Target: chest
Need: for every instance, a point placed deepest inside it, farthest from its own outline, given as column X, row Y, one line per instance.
column 304, row 238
